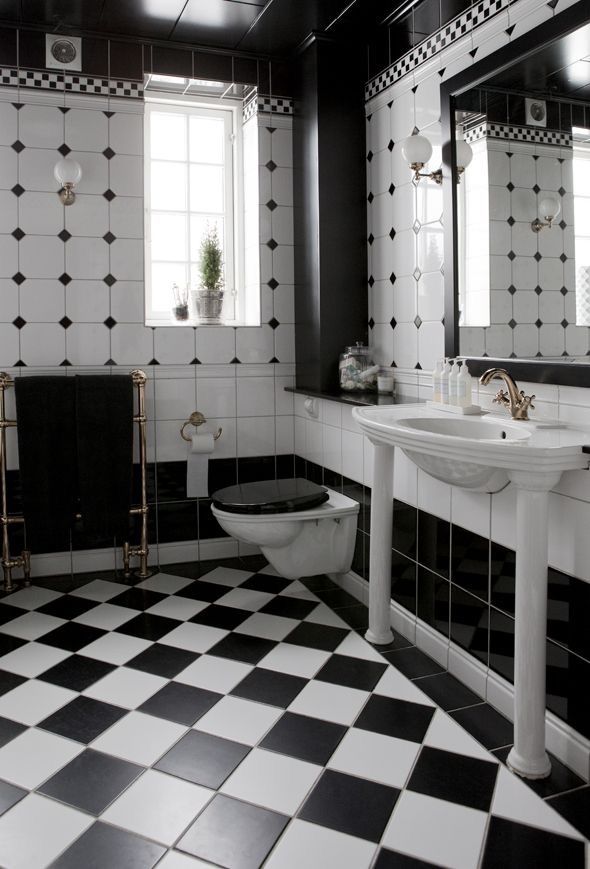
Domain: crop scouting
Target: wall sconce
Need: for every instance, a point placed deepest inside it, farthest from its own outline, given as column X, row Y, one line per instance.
column 464, row 156
column 417, row 150
column 67, row 172
column 549, row 208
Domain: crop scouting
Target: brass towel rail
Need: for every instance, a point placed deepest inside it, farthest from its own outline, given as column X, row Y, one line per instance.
column 23, row 561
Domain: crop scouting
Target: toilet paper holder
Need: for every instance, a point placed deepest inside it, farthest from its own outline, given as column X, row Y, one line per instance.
column 196, row 418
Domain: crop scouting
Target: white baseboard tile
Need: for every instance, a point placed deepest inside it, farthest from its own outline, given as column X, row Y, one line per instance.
column 245, row 549
column 221, row 547
column 467, row 670
column 178, row 551
column 432, row 643
column 500, row 694
column 403, row 622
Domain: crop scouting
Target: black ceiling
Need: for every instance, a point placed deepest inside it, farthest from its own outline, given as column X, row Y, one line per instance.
column 271, row 27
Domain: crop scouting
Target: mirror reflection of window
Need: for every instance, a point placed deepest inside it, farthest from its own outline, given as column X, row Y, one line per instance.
column 581, row 168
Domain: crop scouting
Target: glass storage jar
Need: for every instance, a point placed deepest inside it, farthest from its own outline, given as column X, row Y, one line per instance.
column 357, row 370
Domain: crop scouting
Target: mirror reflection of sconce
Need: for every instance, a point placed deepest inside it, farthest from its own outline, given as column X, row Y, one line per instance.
column 417, row 150
column 68, row 173
column 549, row 208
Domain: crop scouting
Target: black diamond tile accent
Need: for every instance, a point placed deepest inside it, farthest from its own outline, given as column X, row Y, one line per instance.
column 391, row 189
column 511, row 221
column 390, row 145
column 272, row 244
column 561, row 191
column 64, row 235
column 65, row 322
column 273, row 323
column 109, row 195
column 18, row 278
column 109, row 237
column 109, row 280
column 562, row 224
column 536, row 189
column 393, row 322
column 538, row 323
column 66, row 363
column 64, row 279
column 392, row 233
column 18, row 190
column 417, row 321
column 371, row 280
column 564, row 323
column 369, row 156
column 564, row 291
column 17, row 146
column 18, row 233
column 512, row 289
column 371, row 238
column 271, row 165
column 203, row 759
column 273, row 284
column 110, row 322
column 370, row 198
column 538, row 256
column 511, row 255
column 512, row 323
column 271, row 205
column 392, row 278
column 180, row 703
column 19, row 322
column 371, row 323
column 64, row 150
column 510, row 186
column 235, row 361
column 108, row 153
column 538, row 290
column 153, row 362
column 563, row 257
column 83, row 719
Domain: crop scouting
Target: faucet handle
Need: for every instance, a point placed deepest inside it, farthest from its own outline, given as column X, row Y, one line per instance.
column 502, row 398
column 527, row 400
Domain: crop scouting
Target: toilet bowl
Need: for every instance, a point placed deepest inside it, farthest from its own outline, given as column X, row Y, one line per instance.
column 302, row 529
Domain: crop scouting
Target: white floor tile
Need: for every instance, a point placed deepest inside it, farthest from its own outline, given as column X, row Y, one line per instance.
column 36, row 830
column 32, row 659
column 115, row 648
column 323, row 615
column 393, row 684
column 158, row 806
column 514, row 800
column 178, row 607
column 31, row 626
column 33, row 701
column 164, row 583
column 330, row 702
column 34, row 756
column 359, row 648
column 314, row 847
column 268, row 626
column 445, row 733
column 443, row 833
column 107, row 616
column 374, row 756
column 272, row 780
column 139, row 738
column 240, row 720
column 295, row 660
column 194, row 638
column 31, row 598
column 99, row 589
column 227, row 576
column 298, row 590
column 214, row 674
column 245, row 599
column 125, row 687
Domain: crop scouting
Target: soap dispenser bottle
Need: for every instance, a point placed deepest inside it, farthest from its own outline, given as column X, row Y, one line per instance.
column 444, row 382
column 453, row 378
column 464, row 387
column 436, row 381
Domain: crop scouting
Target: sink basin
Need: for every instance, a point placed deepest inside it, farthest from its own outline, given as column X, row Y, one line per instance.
column 474, row 429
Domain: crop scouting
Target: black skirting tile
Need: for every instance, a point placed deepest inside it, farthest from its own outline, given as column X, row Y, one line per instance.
column 232, row 833
column 447, row 691
column 103, row 845
column 203, row 759
column 267, row 686
column 72, row 636
column 316, row 636
column 529, row 846
column 148, row 627
column 242, row 647
column 350, row 805
column 305, row 738
column 76, row 672
column 161, row 660
column 9, row 796
column 455, row 778
column 226, row 617
column 486, row 724
column 289, row 607
column 9, row 730
column 83, row 719
column 575, row 808
column 352, row 672
column 91, row 781
column 413, row 663
column 183, row 704
column 392, row 717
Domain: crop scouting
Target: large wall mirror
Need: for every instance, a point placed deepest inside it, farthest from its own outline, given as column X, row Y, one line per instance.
column 517, row 273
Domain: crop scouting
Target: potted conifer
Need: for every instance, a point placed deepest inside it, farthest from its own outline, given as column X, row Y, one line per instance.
column 209, row 296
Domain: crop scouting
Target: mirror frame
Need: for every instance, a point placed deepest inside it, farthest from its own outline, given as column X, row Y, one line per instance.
column 532, row 370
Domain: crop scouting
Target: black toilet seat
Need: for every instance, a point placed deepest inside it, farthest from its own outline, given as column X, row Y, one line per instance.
column 270, row 496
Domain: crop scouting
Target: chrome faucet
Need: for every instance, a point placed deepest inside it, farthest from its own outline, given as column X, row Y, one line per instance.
column 516, row 401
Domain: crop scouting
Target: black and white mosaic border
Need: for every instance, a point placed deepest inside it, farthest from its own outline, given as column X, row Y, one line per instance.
column 519, row 134
column 54, row 81
column 260, row 104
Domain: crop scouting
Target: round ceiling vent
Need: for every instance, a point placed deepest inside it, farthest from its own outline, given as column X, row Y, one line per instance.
column 64, row 51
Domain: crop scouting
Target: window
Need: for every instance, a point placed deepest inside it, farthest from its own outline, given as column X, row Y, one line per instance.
column 192, row 184
column 581, row 189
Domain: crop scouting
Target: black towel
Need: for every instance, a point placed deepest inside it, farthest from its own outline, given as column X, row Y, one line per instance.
column 45, row 411
column 104, row 423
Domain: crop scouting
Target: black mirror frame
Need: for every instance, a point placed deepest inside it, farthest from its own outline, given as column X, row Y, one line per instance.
column 532, row 370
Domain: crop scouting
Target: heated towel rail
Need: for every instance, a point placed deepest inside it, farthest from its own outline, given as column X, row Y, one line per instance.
column 23, row 561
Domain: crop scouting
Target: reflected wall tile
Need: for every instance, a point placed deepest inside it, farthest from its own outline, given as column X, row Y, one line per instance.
column 469, row 623
column 502, row 644
column 433, row 599
column 403, row 581
column 470, row 561
column 434, row 540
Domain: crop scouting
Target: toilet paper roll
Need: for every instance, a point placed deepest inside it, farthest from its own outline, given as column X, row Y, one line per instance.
column 197, row 465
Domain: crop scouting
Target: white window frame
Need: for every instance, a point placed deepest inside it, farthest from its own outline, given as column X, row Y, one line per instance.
column 233, row 188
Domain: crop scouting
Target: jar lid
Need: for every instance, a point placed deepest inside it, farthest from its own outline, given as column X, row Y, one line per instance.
column 358, row 348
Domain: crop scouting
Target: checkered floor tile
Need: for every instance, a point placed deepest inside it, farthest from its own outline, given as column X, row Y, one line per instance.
column 235, row 720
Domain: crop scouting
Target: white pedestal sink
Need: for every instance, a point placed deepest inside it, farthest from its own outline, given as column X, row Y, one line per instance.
column 482, row 454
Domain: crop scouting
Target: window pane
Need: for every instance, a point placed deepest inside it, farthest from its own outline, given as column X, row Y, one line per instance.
column 168, row 186
column 206, row 189
column 169, row 239
column 163, row 276
column 168, row 136
column 206, row 140
column 581, row 166
column 199, row 225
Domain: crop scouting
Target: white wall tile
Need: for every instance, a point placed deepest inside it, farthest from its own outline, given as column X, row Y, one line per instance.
column 352, row 455
column 86, row 130
column 40, row 213
column 216, row 344
column 285, row 435
column 175, row 399
column 126, row 133
column 85, row 301
column 126, row 175
column 256, row 436
column 86, row 258
column 132, row 344
column 41, row 126
column 41, row 256
column 174, row 344
column 90, row 216
column 8, row 123
column 43, row 344
column 42, row 301
column 9, row 345
column 88, row 344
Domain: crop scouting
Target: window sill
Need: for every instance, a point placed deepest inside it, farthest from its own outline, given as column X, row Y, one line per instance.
column 193, row 323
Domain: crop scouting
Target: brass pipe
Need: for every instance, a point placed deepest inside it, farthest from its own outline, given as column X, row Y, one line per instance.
column 8, row 562
column 142, row 551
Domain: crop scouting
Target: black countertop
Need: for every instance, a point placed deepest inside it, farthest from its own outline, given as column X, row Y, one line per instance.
column 357, row 399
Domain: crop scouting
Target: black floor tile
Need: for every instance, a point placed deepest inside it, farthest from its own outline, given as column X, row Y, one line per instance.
column 356, row 616
column 76, row 672
column 486, row 725
column 316, row 636
column 189, row 569
column 242, row 647
column 226, row 617
column 289, row 607
column 413, row 663
column 561, row 778
column 9, row 644
column 351, row 672
column 267, row 686
column 72, row 636
column 305, row 738
column 447, row 692
column 203, row 759
column 266, row 582
column 336, row 598
column 232, row 833
column 8, row 681
column 68, row 606
column 575, row 808
column 455, row 778
column 205, row 591
column 138, row 598
column 147, row 626
column 350, row 805
column 398, row 718
column 394, row 860
column 9, row 729
column 104, row 846
column 528, row 846
column 9, row 796
column 398, row 642
column 161, row 660
column 318, row 582
column 9, row 612
column 180, row 703
column 91, row 781
column 83, row 719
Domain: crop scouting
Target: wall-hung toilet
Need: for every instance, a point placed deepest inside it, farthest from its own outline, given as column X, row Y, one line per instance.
column 301, row 528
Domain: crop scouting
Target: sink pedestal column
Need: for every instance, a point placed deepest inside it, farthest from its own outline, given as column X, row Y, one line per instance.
column 379, row 631
column 528, row 757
